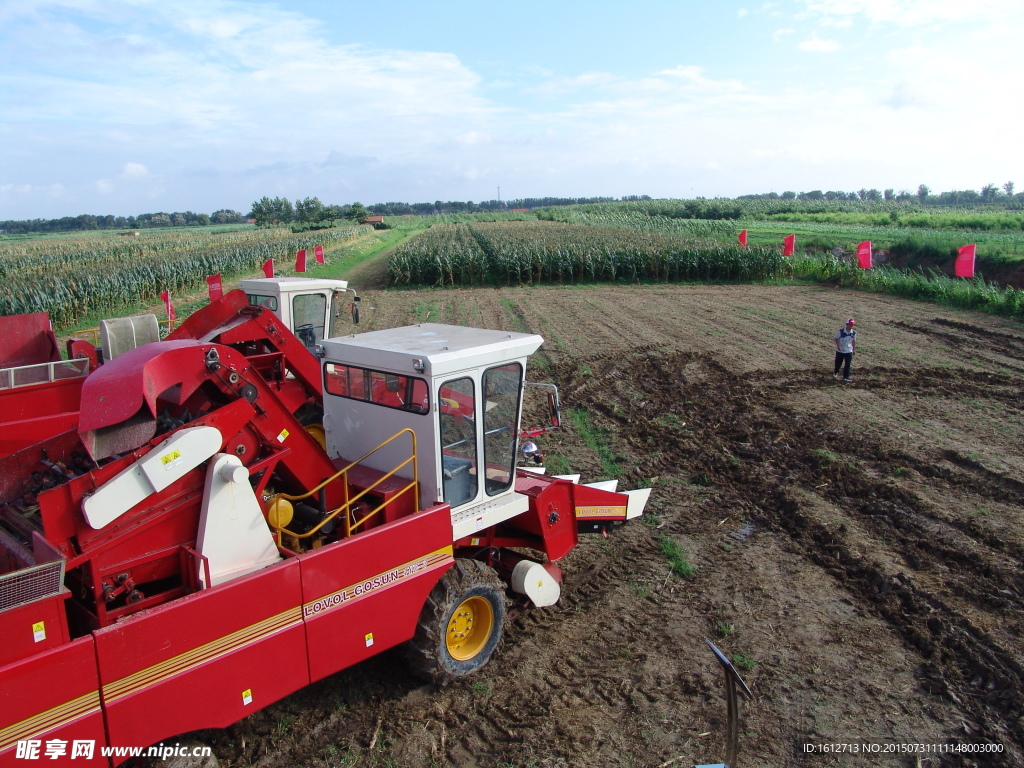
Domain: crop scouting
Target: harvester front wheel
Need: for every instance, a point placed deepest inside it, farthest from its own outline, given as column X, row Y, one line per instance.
column 460, row 625
column 311, row 417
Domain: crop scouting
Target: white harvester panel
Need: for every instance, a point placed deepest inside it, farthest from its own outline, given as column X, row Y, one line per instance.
column 233, row 534
column 459, row 389
column 170, row 461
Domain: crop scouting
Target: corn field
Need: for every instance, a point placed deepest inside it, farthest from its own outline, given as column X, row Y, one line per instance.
column 532, row 252
column 931, row 285
column 69, row 278
column 627, row 218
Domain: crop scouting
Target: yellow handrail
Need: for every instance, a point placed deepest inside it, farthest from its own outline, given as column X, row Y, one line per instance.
column 347, row 505
column 91, row 335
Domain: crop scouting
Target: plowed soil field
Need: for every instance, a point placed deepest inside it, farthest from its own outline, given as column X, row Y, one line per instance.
column 858, row 547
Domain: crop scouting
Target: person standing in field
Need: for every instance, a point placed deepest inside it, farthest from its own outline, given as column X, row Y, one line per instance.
column 846, row 345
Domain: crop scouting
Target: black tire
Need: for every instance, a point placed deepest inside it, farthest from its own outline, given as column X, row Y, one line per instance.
column 461, row 624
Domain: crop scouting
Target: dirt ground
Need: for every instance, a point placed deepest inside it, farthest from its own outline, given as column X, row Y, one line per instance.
column 858, row 547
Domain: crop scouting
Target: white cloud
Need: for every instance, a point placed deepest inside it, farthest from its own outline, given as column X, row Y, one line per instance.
column 134, row 171
column 218, row 98
column 910, row 13
column 818, row 45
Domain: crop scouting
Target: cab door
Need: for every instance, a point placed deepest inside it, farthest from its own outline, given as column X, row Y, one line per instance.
column 310, row 318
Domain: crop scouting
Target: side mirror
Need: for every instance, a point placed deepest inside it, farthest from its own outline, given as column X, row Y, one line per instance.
column 355, row 309
column 554, row 411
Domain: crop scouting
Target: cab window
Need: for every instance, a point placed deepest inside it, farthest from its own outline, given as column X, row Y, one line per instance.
column 406, row 393
column 308, row 311
column 457, row 409
column 256, row 300
column 501, row 386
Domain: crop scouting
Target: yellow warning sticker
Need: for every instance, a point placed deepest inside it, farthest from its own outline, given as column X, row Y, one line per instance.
column 39, row 631
column 247, row 696
column 283, row 436
column 369, row 639
column 172, row 459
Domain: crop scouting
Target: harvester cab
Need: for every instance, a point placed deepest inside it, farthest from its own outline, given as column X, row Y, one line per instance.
column 457, row 391
column 307, row 306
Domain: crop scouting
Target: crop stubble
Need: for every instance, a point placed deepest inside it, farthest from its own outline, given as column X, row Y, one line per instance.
column 862, row 545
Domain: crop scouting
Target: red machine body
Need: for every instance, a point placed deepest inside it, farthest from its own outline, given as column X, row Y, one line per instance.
column 120, row 624
column 38, row 391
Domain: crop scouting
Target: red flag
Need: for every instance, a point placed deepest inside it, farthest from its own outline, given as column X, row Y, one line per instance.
column 319, row 253
column 166, row 296
column 789, row 245
column 215, row 286
column 743, row 238
column 268, row 268
column 864, row 255
column 965, row 261
column 300, row 261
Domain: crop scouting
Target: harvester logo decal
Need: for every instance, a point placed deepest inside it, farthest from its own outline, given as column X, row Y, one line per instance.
column 389, row 578
column 585, row 512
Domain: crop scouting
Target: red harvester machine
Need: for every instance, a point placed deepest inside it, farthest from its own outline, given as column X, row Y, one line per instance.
column 234, row 518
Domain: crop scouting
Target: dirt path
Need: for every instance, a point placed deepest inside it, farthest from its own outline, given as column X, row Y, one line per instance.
column 859, row 548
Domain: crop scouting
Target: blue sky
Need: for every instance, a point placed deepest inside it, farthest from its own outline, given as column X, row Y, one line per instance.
column 133, row 106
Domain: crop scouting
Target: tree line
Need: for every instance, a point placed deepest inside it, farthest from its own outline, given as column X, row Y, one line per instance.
column 989, row 194
column 311, row 212
column 86, row 222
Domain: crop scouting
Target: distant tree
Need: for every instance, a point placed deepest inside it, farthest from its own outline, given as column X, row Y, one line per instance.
column 357, row 212
column 1008, row 188
column 923, row 192
column 269, row 212
column 202, row 220
column 789, row 195
column 226, row 216
column 989, row 192
column 889, row 194
column 309, row 211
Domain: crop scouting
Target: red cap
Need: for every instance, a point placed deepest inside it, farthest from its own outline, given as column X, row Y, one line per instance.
column 851, row 321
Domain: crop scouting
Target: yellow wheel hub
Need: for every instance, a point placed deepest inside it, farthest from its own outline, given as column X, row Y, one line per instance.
column 469, row 628
column 316, row 431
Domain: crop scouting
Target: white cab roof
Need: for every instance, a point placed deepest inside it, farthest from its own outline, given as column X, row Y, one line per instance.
column 277, row 285
column 442, row 349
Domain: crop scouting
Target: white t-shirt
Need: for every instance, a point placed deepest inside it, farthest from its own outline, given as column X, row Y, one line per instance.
column 845, row 339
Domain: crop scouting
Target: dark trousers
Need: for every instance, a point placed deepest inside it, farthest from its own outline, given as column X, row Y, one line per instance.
column 844, row 359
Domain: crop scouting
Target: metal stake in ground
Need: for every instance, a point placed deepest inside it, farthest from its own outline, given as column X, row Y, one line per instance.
column 732, row 677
